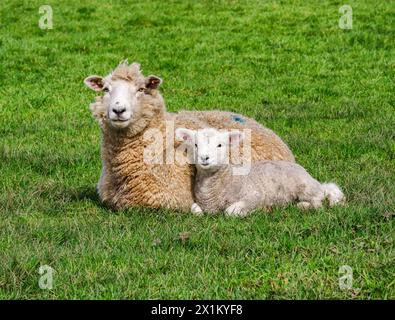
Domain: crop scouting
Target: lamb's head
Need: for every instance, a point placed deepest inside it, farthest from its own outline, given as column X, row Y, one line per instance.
column 129, row 96
column 211, row 147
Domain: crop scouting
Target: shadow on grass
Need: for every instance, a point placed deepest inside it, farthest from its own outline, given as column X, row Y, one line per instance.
column 86, row 193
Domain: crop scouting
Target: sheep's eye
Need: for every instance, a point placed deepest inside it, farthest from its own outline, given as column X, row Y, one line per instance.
column 141, row 90
column 195, row 145
column 106, row 89
column 219, row 146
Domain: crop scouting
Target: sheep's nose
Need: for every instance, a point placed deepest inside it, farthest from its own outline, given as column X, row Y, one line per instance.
column 118, row 112
column 205, row 158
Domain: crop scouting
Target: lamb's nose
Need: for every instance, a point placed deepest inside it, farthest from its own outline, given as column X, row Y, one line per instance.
column 118, row 112
column 205, row 158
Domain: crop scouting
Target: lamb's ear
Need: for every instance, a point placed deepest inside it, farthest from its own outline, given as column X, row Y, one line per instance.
column 124, row 63
column 153, row 82
column 135, row 67
column 235, row 137
column 94, row 82
column 186, row 135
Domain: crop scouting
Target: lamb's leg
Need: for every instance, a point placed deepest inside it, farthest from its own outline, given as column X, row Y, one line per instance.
column 311, row 204
column 333, row 193
column 310, row 194
column 195, row 209
column 237, row 209
column 304, row 205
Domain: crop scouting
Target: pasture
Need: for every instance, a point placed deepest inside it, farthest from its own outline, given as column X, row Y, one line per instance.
column 326, row 91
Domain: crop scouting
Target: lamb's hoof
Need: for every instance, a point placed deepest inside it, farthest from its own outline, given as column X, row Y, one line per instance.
column 196, row 210
column 236, row 210
column 338, row 202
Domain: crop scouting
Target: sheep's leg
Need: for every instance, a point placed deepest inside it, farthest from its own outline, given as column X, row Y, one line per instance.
column 195, row 209
column 237, row 209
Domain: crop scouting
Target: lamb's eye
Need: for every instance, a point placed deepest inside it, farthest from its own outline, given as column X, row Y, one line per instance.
column 106, row 89
column 195, row 145
column 219, row 146
column 141, row 90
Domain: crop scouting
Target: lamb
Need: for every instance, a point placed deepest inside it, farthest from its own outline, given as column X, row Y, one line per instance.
column 264, row 184
column 131, row 115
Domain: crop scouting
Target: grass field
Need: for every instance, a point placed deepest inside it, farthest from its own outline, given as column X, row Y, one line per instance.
column 328, row 92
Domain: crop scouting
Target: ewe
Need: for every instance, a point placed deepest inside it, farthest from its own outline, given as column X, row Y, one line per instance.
column 264, row 184
column 129, row 113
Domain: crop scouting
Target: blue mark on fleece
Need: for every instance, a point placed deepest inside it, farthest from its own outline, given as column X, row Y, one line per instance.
column 238, row 119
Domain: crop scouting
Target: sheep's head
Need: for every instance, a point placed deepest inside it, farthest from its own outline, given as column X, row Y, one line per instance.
column 129, row 96
column 211, row 147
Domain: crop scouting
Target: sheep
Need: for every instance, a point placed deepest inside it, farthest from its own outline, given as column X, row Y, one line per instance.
column 129, row 113
column 264, row 184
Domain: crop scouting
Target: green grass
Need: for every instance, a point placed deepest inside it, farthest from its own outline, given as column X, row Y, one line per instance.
column 329, row 93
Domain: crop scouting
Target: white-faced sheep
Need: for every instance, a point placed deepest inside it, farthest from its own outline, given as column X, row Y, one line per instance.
column 263, row 185
column 129, row 110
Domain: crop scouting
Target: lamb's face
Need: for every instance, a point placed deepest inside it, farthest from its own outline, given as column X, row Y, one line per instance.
column 125, row 90
column 211, row 147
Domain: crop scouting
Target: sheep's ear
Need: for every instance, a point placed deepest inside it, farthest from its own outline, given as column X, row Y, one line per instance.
column 94, row 82
column 153, row 82
column 186, row 135
column 235, row 137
